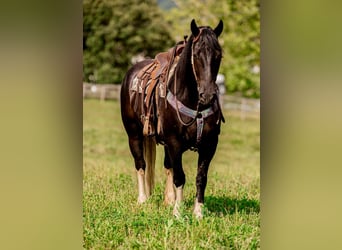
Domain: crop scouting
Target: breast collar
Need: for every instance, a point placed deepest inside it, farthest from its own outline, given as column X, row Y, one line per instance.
column 199, row 116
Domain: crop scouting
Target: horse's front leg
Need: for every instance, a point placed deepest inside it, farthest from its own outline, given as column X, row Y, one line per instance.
column 173, row 156
column 205, row 156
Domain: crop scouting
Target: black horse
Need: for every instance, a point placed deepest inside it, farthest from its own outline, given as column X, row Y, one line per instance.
column 187, row 115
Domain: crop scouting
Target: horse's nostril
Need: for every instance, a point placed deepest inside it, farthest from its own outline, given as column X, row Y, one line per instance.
column 201, row 96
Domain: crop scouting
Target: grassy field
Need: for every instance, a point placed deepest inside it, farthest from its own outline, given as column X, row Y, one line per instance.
column 112, row 219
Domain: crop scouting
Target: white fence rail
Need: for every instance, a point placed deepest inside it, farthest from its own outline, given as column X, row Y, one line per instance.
column 245, row 106
column 101, row 91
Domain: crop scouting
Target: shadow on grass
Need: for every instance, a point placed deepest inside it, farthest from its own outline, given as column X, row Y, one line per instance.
column 224, row 205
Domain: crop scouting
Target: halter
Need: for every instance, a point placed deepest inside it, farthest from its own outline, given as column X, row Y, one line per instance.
column 196, row 115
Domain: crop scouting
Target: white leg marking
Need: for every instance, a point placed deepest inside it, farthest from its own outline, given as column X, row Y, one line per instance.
column 198, row 210
column 169, row 189
column 141, row 186
column 179, row 199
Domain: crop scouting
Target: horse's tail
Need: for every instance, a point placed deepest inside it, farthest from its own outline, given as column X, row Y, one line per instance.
column 150, row 158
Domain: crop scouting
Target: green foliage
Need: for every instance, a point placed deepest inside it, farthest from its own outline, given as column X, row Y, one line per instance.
column 240, row 39
column 116, row 30
column 112, row 219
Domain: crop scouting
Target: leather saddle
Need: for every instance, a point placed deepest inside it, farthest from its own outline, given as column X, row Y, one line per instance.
column 144, row 86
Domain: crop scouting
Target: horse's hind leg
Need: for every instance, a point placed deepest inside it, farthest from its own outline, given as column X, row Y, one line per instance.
column 136, row 147
column 169, row 189
column 174, row 157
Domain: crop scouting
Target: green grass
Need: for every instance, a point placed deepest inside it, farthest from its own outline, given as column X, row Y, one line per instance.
column 112, row 219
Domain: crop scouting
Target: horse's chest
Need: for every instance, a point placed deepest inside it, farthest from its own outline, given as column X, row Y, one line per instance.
column 191, row 135
column 200, row 131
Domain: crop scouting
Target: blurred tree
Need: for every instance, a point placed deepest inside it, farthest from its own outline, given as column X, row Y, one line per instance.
column 240, row 39
column 116, row 30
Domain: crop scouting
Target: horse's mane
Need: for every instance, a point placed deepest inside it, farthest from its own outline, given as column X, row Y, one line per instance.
column 185, row 59
column 209, row 38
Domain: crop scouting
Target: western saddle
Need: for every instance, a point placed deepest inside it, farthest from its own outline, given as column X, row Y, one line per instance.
column 144, row 88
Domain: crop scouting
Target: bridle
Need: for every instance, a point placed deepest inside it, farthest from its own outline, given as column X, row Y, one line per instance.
column 195, row 115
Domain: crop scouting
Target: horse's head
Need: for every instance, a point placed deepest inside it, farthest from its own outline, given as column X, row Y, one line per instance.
column 206, row 58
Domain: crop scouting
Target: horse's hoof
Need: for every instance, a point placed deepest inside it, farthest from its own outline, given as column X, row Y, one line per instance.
column 176, row 210
column 169, row 202
column 176, row 213
column 198, row 210
column 169, row 199
column 198, row 215
column 141, row 199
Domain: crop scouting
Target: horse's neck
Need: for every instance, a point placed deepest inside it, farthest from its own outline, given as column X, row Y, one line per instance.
column 185, row 83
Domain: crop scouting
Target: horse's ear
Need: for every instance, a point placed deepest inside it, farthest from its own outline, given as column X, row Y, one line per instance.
column 219, row 28
column 194, row 29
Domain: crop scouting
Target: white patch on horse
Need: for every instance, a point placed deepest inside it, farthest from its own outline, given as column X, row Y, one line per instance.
column 179, row 199
column 198, row 210
column 141, row 186
column 169, row 188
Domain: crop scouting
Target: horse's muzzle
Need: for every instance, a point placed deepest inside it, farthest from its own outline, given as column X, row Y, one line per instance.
column 206, row 99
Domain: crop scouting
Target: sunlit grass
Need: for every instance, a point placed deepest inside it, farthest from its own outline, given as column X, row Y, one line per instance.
column 113, row 219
